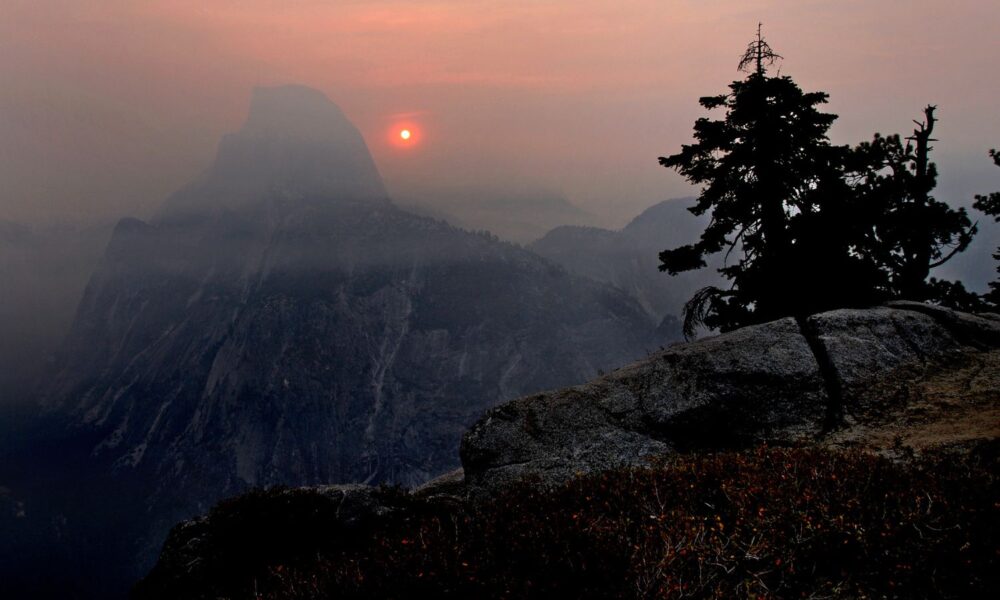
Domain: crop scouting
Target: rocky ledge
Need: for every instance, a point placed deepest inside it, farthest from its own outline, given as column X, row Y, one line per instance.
column 835, row 378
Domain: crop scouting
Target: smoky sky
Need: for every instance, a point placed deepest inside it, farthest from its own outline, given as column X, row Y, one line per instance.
column 108, row 105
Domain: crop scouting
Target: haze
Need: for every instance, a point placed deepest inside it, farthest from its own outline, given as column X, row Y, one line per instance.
column 223, row 268
column 106, row 107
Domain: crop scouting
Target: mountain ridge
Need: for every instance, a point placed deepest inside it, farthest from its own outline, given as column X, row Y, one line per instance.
column 629, row 258
column 282, row 330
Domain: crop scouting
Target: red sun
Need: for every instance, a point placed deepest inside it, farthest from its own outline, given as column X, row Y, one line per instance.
column 404, row 135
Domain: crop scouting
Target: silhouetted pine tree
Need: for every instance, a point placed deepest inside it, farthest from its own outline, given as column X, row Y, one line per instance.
column 766, row 169
column 990, row 204
column 814, row 226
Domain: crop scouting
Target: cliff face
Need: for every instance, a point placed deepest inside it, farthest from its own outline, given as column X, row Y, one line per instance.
column 321, row 342
column 281, row 322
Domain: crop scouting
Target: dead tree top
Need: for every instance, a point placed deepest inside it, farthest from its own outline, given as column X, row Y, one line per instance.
column 758, row 54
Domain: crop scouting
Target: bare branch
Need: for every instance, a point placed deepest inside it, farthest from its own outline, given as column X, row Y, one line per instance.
column 757, row 54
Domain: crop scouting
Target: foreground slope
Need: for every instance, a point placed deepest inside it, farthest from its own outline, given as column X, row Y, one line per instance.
column 836, row 376
column 657, row 480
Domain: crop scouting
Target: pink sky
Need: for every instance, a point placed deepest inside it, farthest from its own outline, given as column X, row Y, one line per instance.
column 108, row 105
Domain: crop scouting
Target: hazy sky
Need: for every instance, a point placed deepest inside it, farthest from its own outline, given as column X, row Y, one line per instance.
column 108, row 105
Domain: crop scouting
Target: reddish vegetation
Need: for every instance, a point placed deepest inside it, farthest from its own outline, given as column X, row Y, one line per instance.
column 768, row 523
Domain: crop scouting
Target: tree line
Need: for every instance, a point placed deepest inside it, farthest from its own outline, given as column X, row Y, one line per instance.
column 809, row 226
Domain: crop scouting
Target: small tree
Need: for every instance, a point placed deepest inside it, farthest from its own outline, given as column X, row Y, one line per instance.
column 990, row 204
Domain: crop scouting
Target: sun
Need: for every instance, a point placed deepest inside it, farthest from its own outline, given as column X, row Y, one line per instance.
column 403, row 135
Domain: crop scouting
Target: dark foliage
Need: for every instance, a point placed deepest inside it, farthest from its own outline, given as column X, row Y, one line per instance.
column 767, row 523
column 903, row 229
column 758, row 167
column 814, row 226
column 990, row 204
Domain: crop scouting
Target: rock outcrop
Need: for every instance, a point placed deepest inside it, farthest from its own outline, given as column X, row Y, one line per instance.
column 789, row 381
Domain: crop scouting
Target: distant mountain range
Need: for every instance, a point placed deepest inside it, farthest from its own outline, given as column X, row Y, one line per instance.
column 519, row 214
column 629, row 258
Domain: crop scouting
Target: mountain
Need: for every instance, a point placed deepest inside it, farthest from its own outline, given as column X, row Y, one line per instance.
column 311, row 341
column 281, row 322
column 295, row 142
column 514, row 213
column 629, row 258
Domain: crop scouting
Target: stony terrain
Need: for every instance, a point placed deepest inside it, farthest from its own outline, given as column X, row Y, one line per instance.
column 903, row 380
column 858, row 377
